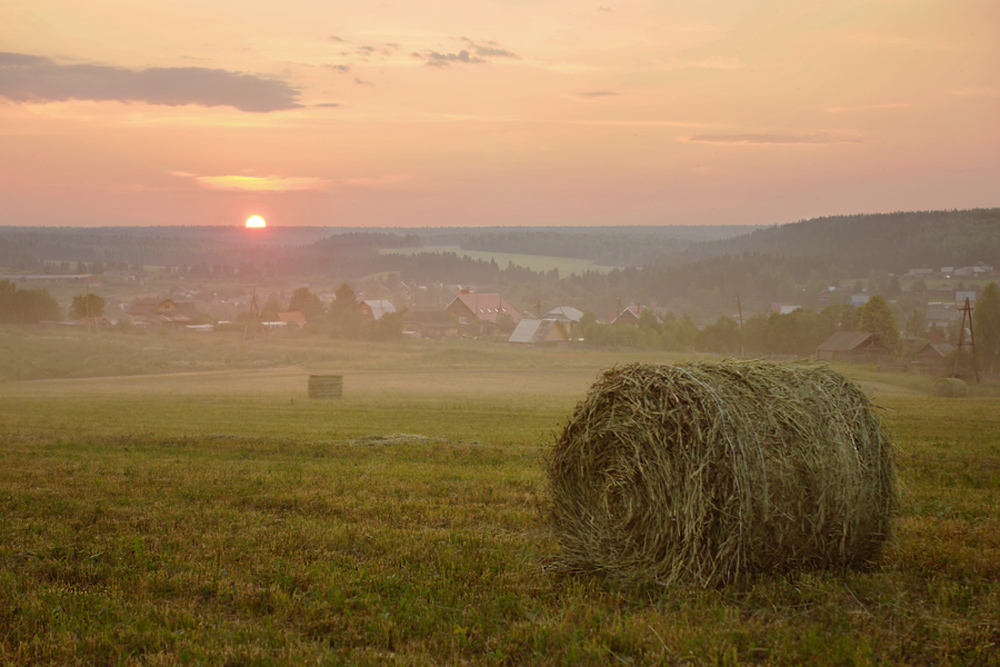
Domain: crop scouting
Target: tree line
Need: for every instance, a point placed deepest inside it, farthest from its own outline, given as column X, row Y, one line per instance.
column 797, row 333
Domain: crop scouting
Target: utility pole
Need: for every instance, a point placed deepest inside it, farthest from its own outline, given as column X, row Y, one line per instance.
column 743, row 344
column 966, row 311
column 86, row 307
column 617, row 323
column 253, row 318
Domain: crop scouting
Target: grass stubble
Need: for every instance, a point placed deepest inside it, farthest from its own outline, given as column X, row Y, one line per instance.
column 203, row 526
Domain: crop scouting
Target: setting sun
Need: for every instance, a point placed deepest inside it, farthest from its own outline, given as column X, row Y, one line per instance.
column 255, row 221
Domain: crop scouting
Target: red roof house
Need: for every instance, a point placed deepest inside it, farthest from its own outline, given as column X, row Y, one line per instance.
column 474, row 307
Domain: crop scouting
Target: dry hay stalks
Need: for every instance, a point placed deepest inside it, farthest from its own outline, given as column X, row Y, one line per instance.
column 707, row 473
column 950, row 388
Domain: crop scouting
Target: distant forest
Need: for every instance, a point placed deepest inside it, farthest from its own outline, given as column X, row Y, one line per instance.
column 696, row 271
column 893, row 242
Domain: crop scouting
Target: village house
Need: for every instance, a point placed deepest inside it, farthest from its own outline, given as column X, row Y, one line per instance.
column 539, row 332
column 568, row 316
column 630, row 316
column 919, row 273
column 784, row 307
column 928, row 358
column 960, row 297
column 188, row 309
column 429, row 324
column 855, row 347
column 374, row 309
column 939, row 317
column 155, row 311
column 485, row 310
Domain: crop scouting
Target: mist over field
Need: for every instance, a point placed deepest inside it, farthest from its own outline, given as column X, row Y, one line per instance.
column 312, row 446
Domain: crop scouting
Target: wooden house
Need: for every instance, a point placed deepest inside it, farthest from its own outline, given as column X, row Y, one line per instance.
column 485, row 310
column 929, row 357
column 374, row 309
column 429, row 324
column 539, row 332
column 568, row 316
column 157, row 312
column 630, row 316
column 851, row 346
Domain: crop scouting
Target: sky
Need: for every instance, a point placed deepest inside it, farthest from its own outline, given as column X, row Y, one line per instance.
column 494, row 112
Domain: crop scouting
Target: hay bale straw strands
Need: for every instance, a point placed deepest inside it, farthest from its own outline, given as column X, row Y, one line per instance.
column 708, row 473
column 326, row 386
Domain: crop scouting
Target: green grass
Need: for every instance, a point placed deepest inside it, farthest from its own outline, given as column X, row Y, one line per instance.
column 543, row 263
column 224, row 518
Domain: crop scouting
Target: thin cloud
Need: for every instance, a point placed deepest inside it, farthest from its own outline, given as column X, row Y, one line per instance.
column 369, row 51
column 489, row 49
column 334, row 38
column 32, row 79
column 598, row 93
column 362, row 82
column 328, row 105
column 812, row 138
column 339, row 68
column 476, row 53
column 435, row 59
column 255, row 183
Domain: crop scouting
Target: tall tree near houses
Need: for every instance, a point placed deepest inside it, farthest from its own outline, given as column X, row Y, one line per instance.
column 87, row 305
column 916, row 323
column 344, row 313
column 986, row 323
column 876, row 317
column 305, row 302
column 273, row 306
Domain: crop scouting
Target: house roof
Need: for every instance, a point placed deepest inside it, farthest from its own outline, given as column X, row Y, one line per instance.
column 292, row 316
column 429, row 318
column 379, row 307
column 847, row 341
column 934, row 350
column 630, row 313
column 535, row 331
column 486, row 306
column 152, row 308
column 187, row 308
column 564, row 314
column 146, row 305
column 943, row 315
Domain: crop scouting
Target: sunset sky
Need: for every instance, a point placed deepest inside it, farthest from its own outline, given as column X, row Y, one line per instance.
column 502, row 112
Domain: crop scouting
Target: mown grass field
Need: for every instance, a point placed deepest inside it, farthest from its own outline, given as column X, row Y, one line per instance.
column 543, row 263
column 221, row 517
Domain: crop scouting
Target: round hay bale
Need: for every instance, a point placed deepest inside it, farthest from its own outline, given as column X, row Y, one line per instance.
column 326, row 386
column 708, row 473
column 950, row 388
